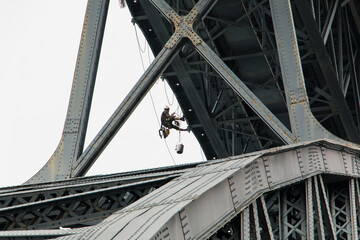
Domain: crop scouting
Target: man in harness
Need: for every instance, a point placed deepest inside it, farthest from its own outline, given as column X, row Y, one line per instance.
column 167, row 122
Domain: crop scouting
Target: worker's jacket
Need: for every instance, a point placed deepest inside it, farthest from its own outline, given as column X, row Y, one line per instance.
column 166, row 119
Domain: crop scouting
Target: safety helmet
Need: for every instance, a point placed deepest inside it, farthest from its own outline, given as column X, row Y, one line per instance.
column 166, row 107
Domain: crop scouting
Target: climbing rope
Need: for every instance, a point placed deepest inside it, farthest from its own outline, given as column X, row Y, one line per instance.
column 151, row 97
column 179, row 111
column 167, row 97
column 138, row 42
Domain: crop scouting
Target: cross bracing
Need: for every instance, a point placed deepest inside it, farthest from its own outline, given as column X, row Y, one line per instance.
column 78, row 202
column 249, row 75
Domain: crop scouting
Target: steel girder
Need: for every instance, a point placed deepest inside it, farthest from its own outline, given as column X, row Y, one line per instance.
column 303, row 123
column 287, row 212
column 302, row 191
column 72, row 140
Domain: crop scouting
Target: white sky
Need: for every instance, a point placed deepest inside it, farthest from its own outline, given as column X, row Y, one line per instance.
column 39, row 42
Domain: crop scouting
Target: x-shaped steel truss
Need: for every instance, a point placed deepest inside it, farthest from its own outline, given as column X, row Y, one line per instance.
column 76, row 165
column 183, row 28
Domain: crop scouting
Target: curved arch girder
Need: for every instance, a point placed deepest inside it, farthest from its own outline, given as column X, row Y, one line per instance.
column 188, row 207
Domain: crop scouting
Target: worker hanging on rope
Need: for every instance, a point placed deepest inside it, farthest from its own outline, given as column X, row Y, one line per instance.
column 170, row 121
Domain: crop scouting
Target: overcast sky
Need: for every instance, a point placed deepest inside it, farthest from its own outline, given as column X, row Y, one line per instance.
column 38, row 49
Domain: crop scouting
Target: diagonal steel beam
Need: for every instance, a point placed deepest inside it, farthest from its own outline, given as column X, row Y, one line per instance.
column 319, row 209
column 187, row 84
column 327, row 207
column 66, row 161
column 103, row 138
column 128, row 105
column 184, row 28
column 184, row 24
column 244, row 92
column 266, row 214
column 329, row 22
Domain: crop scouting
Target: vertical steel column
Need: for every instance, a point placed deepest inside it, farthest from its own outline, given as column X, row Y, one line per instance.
column 354, row 224
column 309, row 209
column 256, row 220
column 71, row 144
column 281, row 226
column 304, row 125
column 319, row 211
column 245, row 224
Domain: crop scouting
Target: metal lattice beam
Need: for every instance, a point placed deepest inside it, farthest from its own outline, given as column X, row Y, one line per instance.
column 75, row 203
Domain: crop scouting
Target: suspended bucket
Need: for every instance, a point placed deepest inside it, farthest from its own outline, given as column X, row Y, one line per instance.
column 179, row 148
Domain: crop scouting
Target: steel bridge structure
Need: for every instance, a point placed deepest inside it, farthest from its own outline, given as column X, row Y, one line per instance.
column 270, row 89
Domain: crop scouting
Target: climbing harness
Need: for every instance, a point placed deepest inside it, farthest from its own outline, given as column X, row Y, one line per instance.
column 164, row 132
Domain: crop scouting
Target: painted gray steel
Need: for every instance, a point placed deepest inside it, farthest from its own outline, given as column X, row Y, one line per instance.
column 256, row 75
column 197, row 204
column 82, row 201
column 73, row 136
column 304, row 125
